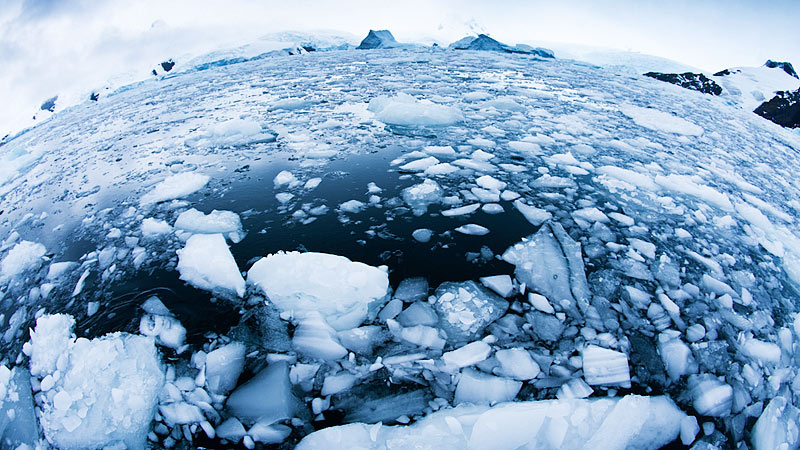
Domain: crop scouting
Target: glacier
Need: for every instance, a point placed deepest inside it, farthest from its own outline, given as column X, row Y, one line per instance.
column 400, row 246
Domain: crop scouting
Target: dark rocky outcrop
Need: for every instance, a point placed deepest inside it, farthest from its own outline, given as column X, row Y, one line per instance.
column 94, row 96
column 725, row 72
column 785, row 66
column 378, row 39
column 168, row 65
column 689, row 80
column 49, row 104
column 783, row 109
column 486, row 43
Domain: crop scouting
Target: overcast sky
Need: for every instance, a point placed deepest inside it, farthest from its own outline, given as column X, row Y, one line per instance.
column 63, row 47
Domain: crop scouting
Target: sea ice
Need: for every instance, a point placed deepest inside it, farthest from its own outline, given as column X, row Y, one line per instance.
column 175, row 186
column 206, row 263
column 422, row 195
column 24, row 256
column 265, row 397
column 602, row 366
column 223, row 367
column 405, row 110
column 479, row 387
column 632, row 421
column 466, row 308
column 343, row 291
column 154, row 227
column 660, row 121
column 224, row 222
column 105, row 390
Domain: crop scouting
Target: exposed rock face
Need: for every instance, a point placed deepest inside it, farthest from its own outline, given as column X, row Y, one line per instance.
column 49, row 104
column 484, row 42
column 378, row 39
column 168, row 65
column 785, row 66
column 783, row 109
column 689, row 80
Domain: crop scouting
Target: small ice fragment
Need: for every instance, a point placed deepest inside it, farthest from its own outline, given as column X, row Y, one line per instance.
column 710, row 396
column 473, row 229
column 492, row 208
column 516, row 363
column 541, row 303
column 468, row 355
column 422, row 235
column 206, row 263
column 284, row 177
column 602, row 366
column 335, row 384
column 502, row 284
column 478, row 387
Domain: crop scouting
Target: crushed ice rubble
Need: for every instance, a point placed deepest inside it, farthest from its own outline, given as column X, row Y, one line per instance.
column 637, row 278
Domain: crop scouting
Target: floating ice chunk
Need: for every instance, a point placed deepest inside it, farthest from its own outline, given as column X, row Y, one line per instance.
column 285, row 178
column 105, row 391
column 440, row 150
column 478, row 387
column 468, row 355
column 763, row 352
column 175, row 186
column 225, row 222
column 180, row 413
column 418, row 313
column 685, row 184
column 422, row 235
column 473, row 229
column 475, row 164
column 313, row 183
column 24, row 256
column 340, row 382
column 509, row 195
column 516, row 363
column 529, row 148
column 50, row 339
column 265, row 397
column 405, row 110
column 167, row 331
column 534, row 215
column 316, row 339
column 461, row 210
column 19, row 427
column 441, row 169
column 660, row 121
column 718, row 287
column 502, row 284
column 490, row 183
column 689, row 430
column 777, row 428
column 695, row 332
column 710, row 396
column 352, row 206
column 675, row 353
column 231, row 429
column 223, row 367
column 206, row 263
column 541, row 303
column 551, row 263
column 466, row 308
column 492, row 208
column 154, row 227
column 412, row 289
column 574, row 388
column 635, row 179
column 284, row 197
column 343, row 291
column 420, row 196
column 645, row 423
column 602, row 366
column 361, row 340
column 590, row 215
column 485, row 195
column 419, row 165
column 269, row 434
column 230, row 133
column 421, row 335
column 59, row 269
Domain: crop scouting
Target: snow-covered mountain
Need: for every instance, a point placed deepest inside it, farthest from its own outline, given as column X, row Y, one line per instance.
column 400, row 247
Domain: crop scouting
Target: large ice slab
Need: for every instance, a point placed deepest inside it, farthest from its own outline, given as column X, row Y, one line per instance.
column 777, row 427
column 265, row 397
column 206, row 263
column 609, row 423
column 405, row 110
column 550, row 262
column 95, row 392
column 343, row 291
column 225, row 222
column 23, row 256
column 18, row 424
column 466, row 308
column 175, row 186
